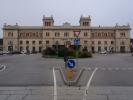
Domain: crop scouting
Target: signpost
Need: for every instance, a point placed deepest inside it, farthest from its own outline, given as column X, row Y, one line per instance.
column 70, row 64
column 77, row 43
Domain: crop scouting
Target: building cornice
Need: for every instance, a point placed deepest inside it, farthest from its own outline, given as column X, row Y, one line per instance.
column 9, row 27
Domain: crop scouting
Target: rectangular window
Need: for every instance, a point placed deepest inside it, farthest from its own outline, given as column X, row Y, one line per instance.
column 112, row 42
column 99, row 42
column 105, row 42
column 122, row 34
column 92, row 35
column 10, row 34
column 27, row 42
column 21, row 42
column 20, row 35
column 66, row 34
column 57, row 34
column 33, row 42
column 85, row 42
column 85, row 34
column 47, row 33
column 93, row 42
column 40, row 34
column 47, row 42
column 40, row 42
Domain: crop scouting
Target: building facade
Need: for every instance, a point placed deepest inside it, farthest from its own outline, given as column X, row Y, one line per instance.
column 1, row 44
column 95, row 38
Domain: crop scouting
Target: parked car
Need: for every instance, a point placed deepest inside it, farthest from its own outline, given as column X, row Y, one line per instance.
column 6, row 52
column 23, row 51
column 103, row 52
column 1, row 52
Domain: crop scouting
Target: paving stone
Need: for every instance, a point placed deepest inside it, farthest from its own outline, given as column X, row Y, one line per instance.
column 3, row 97
column 99, row 91
column 96, row 97
column 11, row 92
column 15, row 97
column 38, row 97
column 70, row 97
column 120, row 97
column 42, row 91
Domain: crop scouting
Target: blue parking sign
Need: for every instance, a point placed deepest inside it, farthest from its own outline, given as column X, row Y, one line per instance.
column 77, row 41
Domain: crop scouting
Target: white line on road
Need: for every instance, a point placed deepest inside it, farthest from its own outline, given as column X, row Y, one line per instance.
column 110, row 69
column 129, row 68
column 103, row 68
column 2, row 67
column 117, row 68
column 88, row 84
column 55, row 85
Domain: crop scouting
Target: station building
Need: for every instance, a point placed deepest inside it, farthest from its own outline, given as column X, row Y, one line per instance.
column 1, row 44
column 96, row 38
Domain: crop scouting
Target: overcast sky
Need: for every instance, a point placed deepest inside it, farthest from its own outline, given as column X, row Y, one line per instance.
column 30, row 12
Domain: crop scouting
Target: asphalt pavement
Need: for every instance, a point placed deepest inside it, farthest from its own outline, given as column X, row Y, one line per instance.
column 33, row 70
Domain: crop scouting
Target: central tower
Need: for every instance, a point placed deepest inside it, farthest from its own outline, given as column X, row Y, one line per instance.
column 85, row 21
column 48, row 21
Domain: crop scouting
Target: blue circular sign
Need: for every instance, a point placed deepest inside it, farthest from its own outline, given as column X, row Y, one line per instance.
column 71, row 63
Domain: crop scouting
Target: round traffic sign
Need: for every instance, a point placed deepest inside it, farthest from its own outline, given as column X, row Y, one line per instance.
column 70, row 63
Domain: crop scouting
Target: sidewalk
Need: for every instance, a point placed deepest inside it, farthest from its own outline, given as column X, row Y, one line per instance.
column 66, row 93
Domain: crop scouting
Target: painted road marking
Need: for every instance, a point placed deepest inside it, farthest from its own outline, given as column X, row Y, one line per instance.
column 103, row 68
column 55, row 85
column 2, row 67
column 109, row 69
column 88, row 84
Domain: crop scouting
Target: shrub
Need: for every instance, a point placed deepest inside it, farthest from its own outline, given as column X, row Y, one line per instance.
column 85, row 53
column 48, row 51
column 62, row 52
column 71, row 53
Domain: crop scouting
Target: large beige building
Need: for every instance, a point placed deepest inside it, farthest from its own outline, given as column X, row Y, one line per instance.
column 95, row 38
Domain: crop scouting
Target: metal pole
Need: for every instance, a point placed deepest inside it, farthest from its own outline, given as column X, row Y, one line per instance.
column 77, row 55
